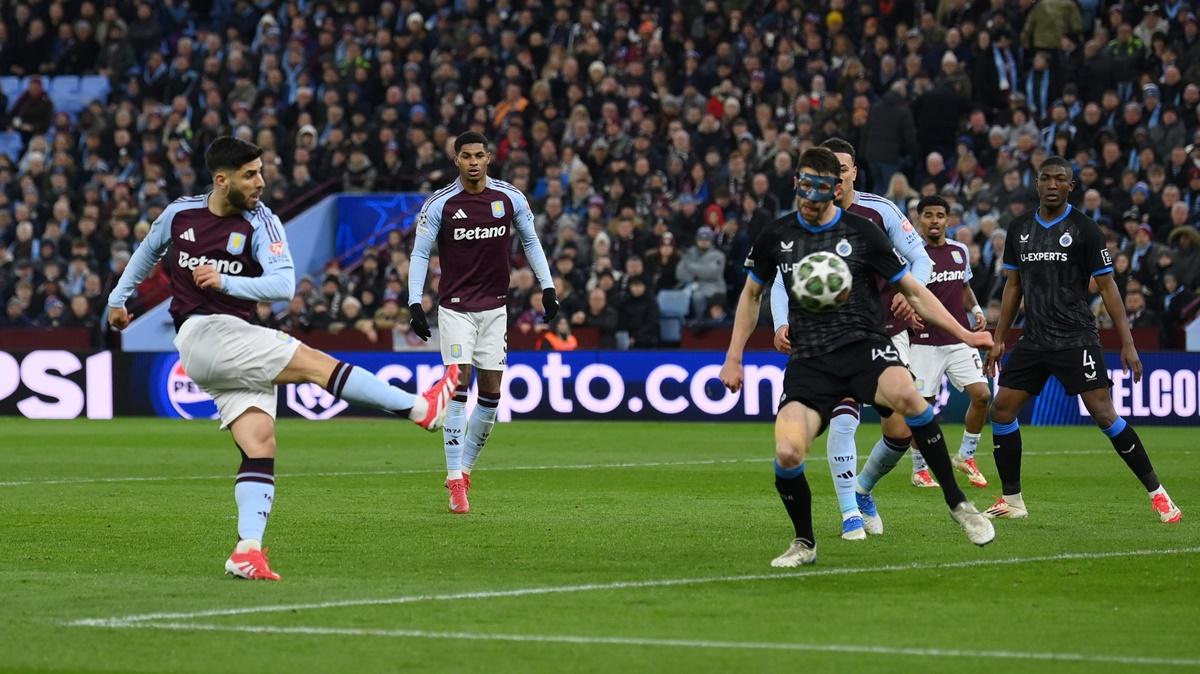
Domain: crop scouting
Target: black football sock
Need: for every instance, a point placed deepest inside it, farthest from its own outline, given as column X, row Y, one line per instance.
column 793, row 490
column 1006, row 448
column 1129, row 447
column 932, row 443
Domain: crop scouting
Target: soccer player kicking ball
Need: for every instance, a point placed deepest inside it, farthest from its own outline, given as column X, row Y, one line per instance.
column 859, row 514
column 842, row 352
column 1050, row 256
column 472, row 220
column 936, row 352
column 228, row 252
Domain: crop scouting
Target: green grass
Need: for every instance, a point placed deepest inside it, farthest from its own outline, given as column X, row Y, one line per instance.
column 104, row 549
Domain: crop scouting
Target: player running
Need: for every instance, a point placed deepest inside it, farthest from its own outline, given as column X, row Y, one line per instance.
column 840, row 353
column 471, row 220
column 228, row 252
column 936, row 352
column 1050, row 257
column 859, row 514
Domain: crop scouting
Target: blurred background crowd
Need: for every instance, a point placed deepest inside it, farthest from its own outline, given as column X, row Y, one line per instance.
column 654, row 139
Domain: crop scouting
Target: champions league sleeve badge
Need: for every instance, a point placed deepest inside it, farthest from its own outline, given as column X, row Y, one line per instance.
column 236, row 244
column 1065, row 240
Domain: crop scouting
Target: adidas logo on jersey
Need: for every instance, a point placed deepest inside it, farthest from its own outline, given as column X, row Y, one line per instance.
column 460, row 214
column 480, row 233
column 222, row 266
column 189, row 235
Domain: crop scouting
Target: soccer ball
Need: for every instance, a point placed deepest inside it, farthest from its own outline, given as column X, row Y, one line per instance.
column 821, row 282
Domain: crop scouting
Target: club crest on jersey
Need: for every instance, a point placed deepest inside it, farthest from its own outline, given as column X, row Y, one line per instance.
column 497, row 209
column 957, row 256
column 236, row 244
column 843, row 248
column 1065, row 240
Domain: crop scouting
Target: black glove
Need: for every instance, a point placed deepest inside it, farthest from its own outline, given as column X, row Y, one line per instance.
column 549, row 304
column 418, row 321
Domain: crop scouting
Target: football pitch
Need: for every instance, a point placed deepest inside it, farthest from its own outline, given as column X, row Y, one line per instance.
column 591, row 547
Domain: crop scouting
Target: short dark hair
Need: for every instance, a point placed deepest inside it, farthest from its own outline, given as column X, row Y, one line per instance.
column 228, row 152
column 841, row 146
column 1056, row 161
column 820, row 160
column 934, row 200
column 469, row 138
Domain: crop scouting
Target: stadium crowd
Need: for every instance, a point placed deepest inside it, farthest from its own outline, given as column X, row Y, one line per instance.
column 654, row 139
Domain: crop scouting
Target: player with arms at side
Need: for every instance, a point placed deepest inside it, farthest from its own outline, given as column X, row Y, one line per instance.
column 859, row 514
column 936, row 352
column 228, row 252
column 471, row 220
column 842, row 352
column 1051, row 256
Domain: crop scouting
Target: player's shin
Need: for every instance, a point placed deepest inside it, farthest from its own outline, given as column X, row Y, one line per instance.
column 1129, row 447
column 794, row 491
column 1006, row 447
column 452, row 434
column 254, row 491
column 479, row 428
column 884, row 456
column 360, row 387
column 843, row 456
column 932, row 443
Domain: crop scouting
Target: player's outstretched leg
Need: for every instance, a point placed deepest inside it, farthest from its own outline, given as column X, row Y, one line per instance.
column 360, row 387
column 1131, row 450
column 1006, row 448
column 843, row 460
column 964, row 460
column 897, row 392
column 792, row 439
column 479, row 428
column 254, row 492
column 884, row 456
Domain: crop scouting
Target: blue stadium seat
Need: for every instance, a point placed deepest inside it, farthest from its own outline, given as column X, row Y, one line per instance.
column 672, row 310
column 11, row 86
column 64, row 84
column 11, row 144
column 93, row 87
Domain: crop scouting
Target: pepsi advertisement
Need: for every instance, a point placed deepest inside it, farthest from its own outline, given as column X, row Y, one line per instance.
column 661, row 386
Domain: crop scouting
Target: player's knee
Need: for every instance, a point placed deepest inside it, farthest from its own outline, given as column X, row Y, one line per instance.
column 1001, row 415
column 980, row 397
column 910, row 404
column 258, row 448
column 788, row 455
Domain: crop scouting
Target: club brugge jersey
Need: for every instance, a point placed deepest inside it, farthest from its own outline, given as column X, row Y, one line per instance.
column 1055, row 260
column 866, row 250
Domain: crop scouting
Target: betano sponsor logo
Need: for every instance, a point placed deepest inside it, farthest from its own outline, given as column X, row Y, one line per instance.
column 949, row 275
column 190, row 262
column 479, row 233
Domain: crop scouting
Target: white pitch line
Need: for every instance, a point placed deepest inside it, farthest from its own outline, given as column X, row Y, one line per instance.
column 619, row 585
column 411, row 471
column 859, row 649
column 424, row 471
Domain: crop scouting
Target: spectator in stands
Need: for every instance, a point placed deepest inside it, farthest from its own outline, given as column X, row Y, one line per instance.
column 533, row 320
column 702, row 270
column 1143, row 252
column 15, row 316
column 32, row 112
column 1139, row 315
column 600, row 317
column 558, row 337
column 639, row 315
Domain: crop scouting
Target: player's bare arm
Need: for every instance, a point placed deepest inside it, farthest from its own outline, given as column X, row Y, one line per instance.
column 971, row 304
column 1116, row 310
column 1009, row 303
column 929, row 308
column 744, row 320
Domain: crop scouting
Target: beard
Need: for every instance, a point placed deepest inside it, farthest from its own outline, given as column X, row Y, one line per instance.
column 238, row 200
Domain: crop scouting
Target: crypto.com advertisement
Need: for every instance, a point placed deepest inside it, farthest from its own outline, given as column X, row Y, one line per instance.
column 649, row 385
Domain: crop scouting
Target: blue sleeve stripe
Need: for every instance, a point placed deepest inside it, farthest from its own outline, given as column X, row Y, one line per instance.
column 1102, row 271
column 755, row 277
column 1010, row 267
column 899, row 275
